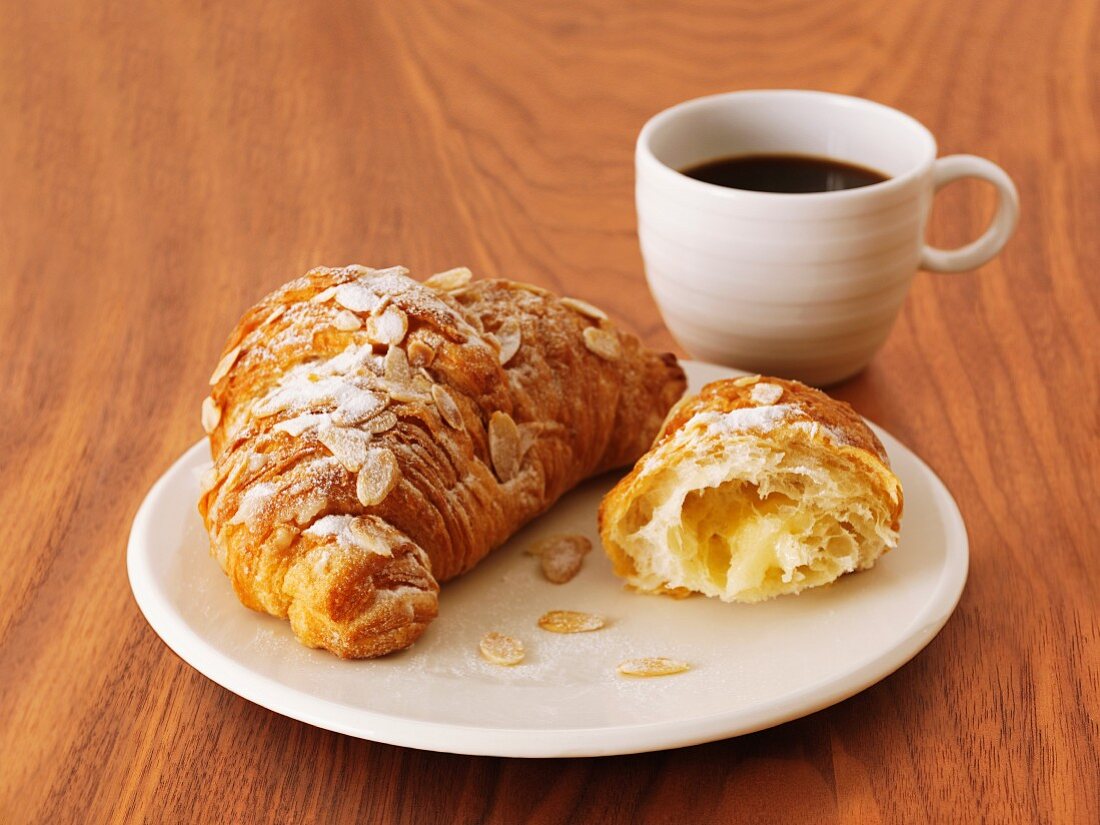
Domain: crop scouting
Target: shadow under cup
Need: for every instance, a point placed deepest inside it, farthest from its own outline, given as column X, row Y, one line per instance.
column 804, row 286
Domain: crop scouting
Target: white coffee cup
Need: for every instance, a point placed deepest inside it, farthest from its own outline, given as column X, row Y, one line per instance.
column 798, row 285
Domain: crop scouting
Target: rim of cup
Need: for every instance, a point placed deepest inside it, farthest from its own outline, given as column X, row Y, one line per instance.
column 644, row 151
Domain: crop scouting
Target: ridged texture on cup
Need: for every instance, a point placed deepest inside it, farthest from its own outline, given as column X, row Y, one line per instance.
column 774, row 292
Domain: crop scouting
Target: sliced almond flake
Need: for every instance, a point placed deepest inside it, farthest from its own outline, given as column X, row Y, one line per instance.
column 501, row 650
column 361, row 532
column 356, row 297
column 510, row 336
column 208, row 481
column 346, row 321
column 535, row 290
column 324, row 295
column 350, row 446
column 409, row 395
column 274, row 316
column 383, row 304
column 381, row 423
column 423, row 383
column 448, row 409
column 225, row 365
column 504, row 445
column 561, row 556
column 398, row 271
column 766, row 394
column 603, row 343
column 451, row 279
column 378, row 476
column 234, row 475
column 396, row 366
column 305, row 507
column 421, row 353
column 570, row 621
column 584, row 308
column 652, row 666
column 359, row 407
column 211, row 414
column 389, row 327
column 745, row 380
column 300, row 423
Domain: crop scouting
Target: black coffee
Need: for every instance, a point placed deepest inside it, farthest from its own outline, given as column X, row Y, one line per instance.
column 784, row 173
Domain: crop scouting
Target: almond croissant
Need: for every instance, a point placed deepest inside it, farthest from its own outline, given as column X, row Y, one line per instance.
column 373, row 436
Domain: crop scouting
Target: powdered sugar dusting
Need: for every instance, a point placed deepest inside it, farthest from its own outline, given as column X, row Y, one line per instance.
column 297, row 497
column 357, row 297
column 254, row 500
column 299, row 424
column 350, row 533
column 808, row 427
column 346, row 383
column 762, row 419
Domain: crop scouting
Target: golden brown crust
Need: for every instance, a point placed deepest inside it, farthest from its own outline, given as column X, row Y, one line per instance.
column 807, row 413
column 835, row 416
column 355, row 461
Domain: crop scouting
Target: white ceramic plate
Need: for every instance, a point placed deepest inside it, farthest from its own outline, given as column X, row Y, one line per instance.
column 752, row 666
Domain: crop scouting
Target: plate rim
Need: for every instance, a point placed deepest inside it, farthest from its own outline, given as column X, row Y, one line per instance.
column 445, row 737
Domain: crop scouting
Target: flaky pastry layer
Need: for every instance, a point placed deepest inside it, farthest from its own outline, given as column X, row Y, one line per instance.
column 756, row 488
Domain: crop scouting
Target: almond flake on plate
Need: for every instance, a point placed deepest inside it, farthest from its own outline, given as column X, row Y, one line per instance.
column 652, row 666
column 561, row 556
column 603, row 343
column 570, row 621
column 501, row 650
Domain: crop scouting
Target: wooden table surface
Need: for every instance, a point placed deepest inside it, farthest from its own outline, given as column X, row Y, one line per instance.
column 162, row 165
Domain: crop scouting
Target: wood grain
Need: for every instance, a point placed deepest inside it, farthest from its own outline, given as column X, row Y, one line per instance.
column 164, row 164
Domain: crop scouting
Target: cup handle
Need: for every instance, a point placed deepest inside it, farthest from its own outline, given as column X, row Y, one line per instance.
column 974, row 254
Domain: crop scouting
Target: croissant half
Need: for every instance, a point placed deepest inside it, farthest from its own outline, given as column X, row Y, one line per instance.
column 373, row 435
column 755, row 488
